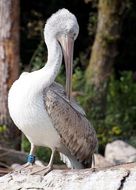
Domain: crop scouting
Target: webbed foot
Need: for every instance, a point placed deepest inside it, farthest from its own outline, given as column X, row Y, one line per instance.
column 41, row 171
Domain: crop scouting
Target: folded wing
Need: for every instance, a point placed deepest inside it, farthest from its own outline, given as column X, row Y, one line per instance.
column 68, row 118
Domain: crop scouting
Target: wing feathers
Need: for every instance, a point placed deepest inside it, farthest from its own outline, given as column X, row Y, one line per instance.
column 76, row 133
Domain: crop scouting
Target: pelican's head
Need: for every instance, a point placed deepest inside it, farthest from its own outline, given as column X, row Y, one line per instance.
column 63, row 26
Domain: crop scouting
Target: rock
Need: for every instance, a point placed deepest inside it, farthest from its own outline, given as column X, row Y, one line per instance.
column 15, row 166
column 119, row 152
column 120, row 177
column 101, row 162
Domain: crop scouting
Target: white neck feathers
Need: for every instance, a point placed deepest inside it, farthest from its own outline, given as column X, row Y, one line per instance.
column 44, row 77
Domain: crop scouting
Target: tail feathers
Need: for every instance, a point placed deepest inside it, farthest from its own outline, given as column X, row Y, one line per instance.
column 71, row 162
column 65, row 160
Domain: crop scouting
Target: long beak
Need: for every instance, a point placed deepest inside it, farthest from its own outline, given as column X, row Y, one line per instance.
column 67, row 44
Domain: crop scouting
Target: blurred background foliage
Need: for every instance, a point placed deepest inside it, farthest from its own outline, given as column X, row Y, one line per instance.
column 120, row 117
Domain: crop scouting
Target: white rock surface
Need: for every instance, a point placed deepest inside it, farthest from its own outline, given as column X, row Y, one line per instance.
column 130, row 183
column 119, row 152
column 116, row 178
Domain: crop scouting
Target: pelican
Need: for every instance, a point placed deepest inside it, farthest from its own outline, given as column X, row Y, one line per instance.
column 43, row 111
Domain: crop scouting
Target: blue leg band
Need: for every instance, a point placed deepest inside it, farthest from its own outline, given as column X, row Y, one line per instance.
column 31, row 159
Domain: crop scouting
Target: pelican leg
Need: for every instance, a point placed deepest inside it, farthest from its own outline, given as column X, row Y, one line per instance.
column 46, row 169
column 31, row 157
column 93, row 167
column 93, row 161
column 30, row 161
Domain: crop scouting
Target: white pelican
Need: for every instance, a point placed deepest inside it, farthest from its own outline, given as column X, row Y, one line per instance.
column 42, row 110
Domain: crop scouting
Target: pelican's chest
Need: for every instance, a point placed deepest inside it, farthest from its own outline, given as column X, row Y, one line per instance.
column 23, row 106
column 26, row 108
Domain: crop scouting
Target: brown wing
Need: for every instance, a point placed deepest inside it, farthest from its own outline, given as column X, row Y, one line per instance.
column 58, row 89
column 68, row 119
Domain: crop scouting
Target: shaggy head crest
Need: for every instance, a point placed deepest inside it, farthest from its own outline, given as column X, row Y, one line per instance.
column 62, row 22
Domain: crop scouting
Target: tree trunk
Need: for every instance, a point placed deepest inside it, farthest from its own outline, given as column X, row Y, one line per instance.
column 104, row 49
column 9, row 66
column 120, row 177
column 104, row 52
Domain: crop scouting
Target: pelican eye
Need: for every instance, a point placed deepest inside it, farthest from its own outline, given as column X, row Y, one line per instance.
column 74, row 34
